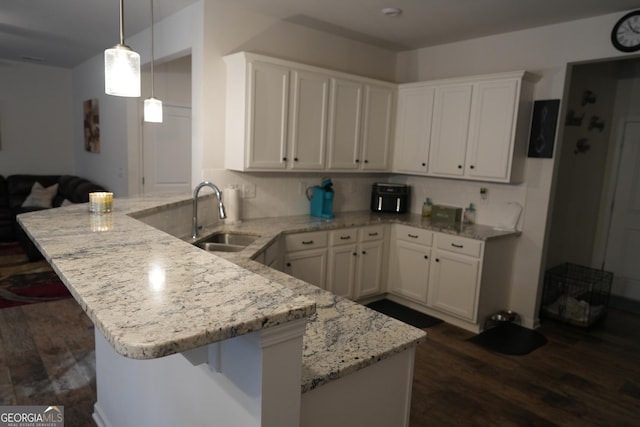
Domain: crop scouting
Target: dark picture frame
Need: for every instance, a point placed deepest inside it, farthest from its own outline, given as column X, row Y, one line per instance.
column 543, row 128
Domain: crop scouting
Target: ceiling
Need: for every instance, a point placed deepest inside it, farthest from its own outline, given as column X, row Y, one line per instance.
column 65, row 33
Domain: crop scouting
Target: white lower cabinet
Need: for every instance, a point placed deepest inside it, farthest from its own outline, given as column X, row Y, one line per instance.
column 454, row 281
column 410, row 262
column 306, row 257
column 436, row 270
column 356, row 261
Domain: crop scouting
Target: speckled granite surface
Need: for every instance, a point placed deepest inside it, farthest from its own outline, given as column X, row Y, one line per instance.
column 152, row 294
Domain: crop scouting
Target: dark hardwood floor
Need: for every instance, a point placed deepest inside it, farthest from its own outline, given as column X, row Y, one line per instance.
column 579, row 378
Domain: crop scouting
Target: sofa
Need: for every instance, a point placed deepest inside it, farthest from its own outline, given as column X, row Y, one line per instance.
column 26, row 193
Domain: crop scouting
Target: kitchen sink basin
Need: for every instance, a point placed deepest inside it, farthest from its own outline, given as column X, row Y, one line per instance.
column 226, row 242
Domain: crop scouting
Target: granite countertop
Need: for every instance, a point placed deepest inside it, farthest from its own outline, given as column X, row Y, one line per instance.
column 152, row 294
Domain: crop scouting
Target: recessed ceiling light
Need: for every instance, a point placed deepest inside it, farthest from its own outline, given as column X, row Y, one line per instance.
column 391, row 11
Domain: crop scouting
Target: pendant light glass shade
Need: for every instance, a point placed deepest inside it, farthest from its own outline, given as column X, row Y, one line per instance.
column 121, row 67
column 152, row 106
column 153, row 110
column 121, row 71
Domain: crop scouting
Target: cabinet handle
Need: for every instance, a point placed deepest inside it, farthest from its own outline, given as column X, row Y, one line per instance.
column 364, row 252
column 307, row 242
column 345, row 237
column 426, row 257
column 413, row 236
column 457, row 246
column 472, row 167
column 373, row 234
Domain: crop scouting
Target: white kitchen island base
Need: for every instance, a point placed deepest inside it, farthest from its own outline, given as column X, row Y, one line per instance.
column 251, row 380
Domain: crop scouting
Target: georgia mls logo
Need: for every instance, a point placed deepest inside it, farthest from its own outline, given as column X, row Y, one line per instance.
column 31, row 416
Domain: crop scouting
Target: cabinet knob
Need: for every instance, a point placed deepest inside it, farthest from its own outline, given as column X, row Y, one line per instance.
column 357, row 160
column 424, row 164
column 288, row 264
column 472, row 167
column 355, row 253
column 364, row 252
column 366, row 161
column 437, row 259
column 426, row 257
column 295, row 159
column 284, row 159
column 459, row 166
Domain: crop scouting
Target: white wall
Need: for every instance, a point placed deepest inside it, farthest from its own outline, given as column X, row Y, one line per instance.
column 35, row 119
column 544, row 51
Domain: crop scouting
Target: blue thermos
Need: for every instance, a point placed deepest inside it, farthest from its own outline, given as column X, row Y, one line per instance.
column 321, row 197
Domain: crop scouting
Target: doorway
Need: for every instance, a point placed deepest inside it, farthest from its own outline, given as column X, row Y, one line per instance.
column 583, row 229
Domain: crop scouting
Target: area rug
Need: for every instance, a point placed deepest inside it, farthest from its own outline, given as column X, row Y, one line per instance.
column 509, row 338
column 23, row 282
column 404, row 314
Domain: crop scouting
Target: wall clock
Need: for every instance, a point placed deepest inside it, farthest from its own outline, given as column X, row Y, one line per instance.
column 625, row 35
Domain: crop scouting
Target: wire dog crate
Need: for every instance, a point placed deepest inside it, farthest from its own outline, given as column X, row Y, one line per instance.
column 576, row 294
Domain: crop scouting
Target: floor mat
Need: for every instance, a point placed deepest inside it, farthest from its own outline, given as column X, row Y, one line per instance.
column 404, row 314
column 509, row 338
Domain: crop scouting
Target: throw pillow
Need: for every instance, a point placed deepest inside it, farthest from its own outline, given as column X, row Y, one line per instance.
column 67, row 202
column 40, row 197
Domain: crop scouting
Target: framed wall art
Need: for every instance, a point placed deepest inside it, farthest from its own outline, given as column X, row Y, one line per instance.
column 543, row 128
column 91, row 113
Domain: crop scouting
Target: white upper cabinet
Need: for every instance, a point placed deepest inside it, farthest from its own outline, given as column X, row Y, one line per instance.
column 308, row 119
column 283, row 115
column 345, row 122
column 473, row 128
column 449, row 130
column 413, row 129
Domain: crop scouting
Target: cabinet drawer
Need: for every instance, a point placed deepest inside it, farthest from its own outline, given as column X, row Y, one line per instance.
column 460, row 245
column 343, row 236
column 415, row 235
column 297, row 242
column 374, row 232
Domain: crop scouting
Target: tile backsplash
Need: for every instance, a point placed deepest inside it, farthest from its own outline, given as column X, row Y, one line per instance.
column 282, row 194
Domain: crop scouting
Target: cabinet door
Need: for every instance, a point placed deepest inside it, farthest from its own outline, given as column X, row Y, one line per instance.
column 308, row 118
column 410, row 270
column 492, row 130
column 267, row 112
column 342, row 270
column 369, row 276
column 345, row 112
column 413, row 129
column 377, row 122
column 309, row 266
column 453, row 284
column 449, row 132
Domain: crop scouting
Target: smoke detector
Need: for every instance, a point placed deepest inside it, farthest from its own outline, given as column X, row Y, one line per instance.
column 391, row 11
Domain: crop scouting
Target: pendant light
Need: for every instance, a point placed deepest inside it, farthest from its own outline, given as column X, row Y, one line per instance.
column 121, row 67
column 152, row 106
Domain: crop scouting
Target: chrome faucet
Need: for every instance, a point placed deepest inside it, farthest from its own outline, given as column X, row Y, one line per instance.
column 221, row 212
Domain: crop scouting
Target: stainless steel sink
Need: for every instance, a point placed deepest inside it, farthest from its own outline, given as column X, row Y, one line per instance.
column 226, row 242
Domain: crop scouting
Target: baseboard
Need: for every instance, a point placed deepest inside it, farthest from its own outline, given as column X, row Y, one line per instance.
column 624, row 304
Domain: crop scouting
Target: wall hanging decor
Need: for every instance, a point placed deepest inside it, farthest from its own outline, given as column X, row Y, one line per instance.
column 572, row 119
column 91, row 125
column 582, row 146
column 588, row 97
column 543, row 128
column 596, row 123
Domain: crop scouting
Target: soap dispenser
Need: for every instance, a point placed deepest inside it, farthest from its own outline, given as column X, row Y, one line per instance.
column 470, row 214
column 426, row 207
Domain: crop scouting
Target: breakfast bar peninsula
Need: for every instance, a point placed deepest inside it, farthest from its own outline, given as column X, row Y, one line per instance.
column 186, row 337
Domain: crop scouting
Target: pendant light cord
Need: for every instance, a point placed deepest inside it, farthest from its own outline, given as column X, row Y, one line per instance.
column 122, row 22
column 152, row 48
